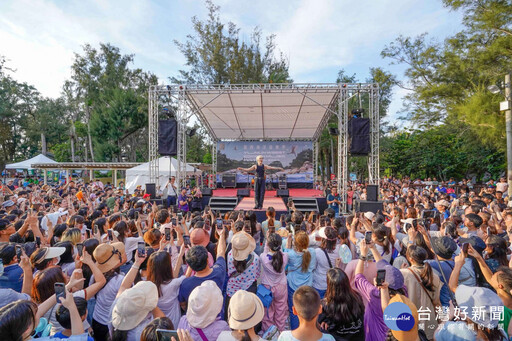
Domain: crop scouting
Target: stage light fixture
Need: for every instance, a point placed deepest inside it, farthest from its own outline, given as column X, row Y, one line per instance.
column 357, row 113
column 191, row 132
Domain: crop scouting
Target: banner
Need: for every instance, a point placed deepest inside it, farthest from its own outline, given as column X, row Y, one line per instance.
column 296, row 157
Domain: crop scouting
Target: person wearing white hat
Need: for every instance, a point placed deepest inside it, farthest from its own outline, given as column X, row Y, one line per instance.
column 244, row 313
column 243, row 264
column 202, row 318
column 131, row 311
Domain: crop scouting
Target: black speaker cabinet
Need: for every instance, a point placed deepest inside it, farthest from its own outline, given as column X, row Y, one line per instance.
column 372, row 192
column 229, row 180
column 151, row 190
column 168, row 137
column 283, row 193
column 368, row 206
column 243, row 192
column 359, row 132
column 207, row 192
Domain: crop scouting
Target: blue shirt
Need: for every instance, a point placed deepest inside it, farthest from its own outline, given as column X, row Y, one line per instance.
column 296, row 277
column 12, row 278
column 334, row 205
column 447, row 267
column 218, row 275
column 59, row 335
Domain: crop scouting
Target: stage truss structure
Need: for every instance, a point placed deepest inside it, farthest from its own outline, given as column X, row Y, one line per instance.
column 309, row 108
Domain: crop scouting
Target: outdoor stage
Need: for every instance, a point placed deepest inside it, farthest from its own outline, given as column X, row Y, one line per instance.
column 304, row 199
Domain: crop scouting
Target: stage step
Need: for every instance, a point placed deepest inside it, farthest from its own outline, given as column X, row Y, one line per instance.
column 305, row 204
column 223, row 204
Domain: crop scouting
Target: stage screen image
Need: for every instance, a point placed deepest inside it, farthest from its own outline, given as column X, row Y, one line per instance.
column 296, row 157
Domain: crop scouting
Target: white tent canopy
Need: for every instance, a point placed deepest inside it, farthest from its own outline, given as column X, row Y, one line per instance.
column 27, row 164
column 139, row 175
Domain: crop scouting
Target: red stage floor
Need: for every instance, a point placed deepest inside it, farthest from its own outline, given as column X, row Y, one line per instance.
column 247, row 204
column 294, row 192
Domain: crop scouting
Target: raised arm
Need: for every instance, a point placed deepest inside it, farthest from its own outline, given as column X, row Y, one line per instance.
column 179, row 262
column 453, row 282
column 250, row 169
column 99, row 278
column 130, row 276
column 273, row 168
column 221, row 245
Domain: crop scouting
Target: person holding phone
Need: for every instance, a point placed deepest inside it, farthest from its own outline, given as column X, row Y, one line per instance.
column 375, row 328
column 259, row 180
column 13, row 273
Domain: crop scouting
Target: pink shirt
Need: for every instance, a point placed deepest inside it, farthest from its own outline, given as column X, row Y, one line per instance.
column 269, row 276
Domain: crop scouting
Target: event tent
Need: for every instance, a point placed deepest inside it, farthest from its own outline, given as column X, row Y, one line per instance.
column 139, row 175
column 27, row 164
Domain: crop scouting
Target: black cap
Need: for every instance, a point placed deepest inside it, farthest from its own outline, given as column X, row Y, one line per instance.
column 444, row 246
column 476, row 242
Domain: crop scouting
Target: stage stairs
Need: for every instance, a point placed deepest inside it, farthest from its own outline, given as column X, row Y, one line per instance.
column 305, row 204
column 223, row 204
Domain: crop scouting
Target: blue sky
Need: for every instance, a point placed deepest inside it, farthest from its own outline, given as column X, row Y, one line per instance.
column 319, row 37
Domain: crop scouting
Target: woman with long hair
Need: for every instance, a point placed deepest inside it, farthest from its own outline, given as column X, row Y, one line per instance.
column 160, row 272
column 342, row 308
column 423, row 285
column 130, row 243
column 301, row 262
column 385, row 243
column 273, row 277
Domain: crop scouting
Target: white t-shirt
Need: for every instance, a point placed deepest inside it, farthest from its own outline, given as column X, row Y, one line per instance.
column 322, row 266
column 105, row 298
column 168, row 302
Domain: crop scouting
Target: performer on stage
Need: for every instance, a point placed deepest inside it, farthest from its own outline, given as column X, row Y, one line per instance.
column 259, row 180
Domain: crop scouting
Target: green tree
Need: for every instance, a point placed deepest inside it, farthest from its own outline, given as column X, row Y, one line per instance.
column 215, row 54
column 102, row 83
column 448, row 80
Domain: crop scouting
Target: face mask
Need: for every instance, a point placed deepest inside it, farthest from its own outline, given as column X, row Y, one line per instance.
column 57, row 260
column 144, row 278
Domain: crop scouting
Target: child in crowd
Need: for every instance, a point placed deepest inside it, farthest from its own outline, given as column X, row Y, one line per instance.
column 307, row 306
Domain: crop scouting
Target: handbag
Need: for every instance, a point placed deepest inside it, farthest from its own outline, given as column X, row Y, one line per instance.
column 265, row 295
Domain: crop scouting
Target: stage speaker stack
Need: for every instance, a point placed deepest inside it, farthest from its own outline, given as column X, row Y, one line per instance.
column 207, row 192
column 243, row 192
column 283, row 193
column 229, row 180
column 368, row 206
column 168, row 137
column 283, row 184
column 151, row 190
column 371, row 192
column 359, row 133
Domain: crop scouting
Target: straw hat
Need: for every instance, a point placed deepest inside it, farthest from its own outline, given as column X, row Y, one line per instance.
column 245, row 310
column 204, row 304
column 242, row 245
column 133, row 305
column 108, row 256
column 199, row 236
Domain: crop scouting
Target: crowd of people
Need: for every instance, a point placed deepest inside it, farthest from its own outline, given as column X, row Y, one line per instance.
column 88, row 261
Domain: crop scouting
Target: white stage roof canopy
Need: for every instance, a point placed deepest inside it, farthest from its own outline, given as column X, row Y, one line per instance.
column 264, row 111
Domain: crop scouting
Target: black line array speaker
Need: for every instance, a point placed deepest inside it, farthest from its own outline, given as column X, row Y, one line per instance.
column 359, row 133
column 283, row 193
column 243, row 192
column 368, row 206
column 151, row 190
column 371, row 192
column 207, row 192
column 168, row 137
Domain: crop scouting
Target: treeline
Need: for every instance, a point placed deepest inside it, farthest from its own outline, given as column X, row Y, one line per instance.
column 454, row 127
